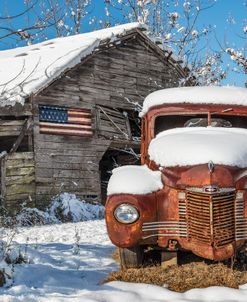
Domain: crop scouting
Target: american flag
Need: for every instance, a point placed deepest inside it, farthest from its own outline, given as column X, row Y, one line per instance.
column 65, row 121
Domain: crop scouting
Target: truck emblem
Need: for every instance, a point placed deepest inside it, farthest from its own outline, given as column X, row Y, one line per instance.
column 211, row 189
column 211, row 166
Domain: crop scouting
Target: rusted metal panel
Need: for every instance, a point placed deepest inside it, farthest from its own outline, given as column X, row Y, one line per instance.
column 127, row 235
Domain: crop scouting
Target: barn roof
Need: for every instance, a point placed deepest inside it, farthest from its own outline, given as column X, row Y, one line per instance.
column 27, row 70
column 219, row 95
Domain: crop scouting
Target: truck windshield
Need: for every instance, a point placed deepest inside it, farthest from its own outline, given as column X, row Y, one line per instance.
column 166, row 122
column 203, row 122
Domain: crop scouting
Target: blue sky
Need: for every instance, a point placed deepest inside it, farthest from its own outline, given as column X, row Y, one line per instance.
column 216, row 16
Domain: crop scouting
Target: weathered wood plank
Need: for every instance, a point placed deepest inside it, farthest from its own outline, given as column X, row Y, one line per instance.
column 21, row 155
column 19, row 171
column 60, row 159
column 40, row 190
column 13, row 202
column 24, row 179
column 49, row 172
column 67, row 173
column 83, row 177
column 16, row 189
column 68, row 166
column 3, row 176
column 11, row 127
column 66, row 152
column 15, row 163
column 43, row 199
column 16, row 124
column 72, row 182
column 55, row 149
column 58, row 146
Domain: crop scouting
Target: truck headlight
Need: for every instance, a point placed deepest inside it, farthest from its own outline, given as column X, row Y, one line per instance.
column 125, row 213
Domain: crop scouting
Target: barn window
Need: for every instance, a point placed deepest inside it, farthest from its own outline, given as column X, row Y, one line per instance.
column 65, row 121
column 113, row 124
column 15, row 133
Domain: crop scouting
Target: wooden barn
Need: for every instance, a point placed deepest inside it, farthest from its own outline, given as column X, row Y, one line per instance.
column 69, row 111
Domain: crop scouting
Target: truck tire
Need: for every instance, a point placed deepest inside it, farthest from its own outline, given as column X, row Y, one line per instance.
column 131, row 257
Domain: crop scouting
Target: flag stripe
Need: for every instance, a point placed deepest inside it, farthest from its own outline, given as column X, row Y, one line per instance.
column 57, row 125
column 66, row 131
column 74, row 113
column 86, row 134
column 80, row 115
column 79, row 120
column 78, row 111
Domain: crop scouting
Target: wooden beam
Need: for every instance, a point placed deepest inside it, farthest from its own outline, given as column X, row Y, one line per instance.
column 3, row 178
column 25, row 128
column 125, row 144
column 128, row 127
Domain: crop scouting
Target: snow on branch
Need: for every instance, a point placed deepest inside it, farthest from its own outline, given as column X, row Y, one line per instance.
column 238, row 57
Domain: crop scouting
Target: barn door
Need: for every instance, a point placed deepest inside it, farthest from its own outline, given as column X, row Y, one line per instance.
column 112, row 123
column 17, row 180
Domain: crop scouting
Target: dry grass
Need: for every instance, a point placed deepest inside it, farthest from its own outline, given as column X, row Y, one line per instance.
column 183, row 277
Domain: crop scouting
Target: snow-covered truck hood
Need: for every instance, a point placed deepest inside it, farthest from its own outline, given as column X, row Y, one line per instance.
column 193, row 146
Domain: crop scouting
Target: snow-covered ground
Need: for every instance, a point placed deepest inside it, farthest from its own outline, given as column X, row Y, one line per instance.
column 67, row 262
column 60, row 270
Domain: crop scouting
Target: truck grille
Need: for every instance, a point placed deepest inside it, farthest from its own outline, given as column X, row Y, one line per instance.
column 211, row 218
column 240, row 220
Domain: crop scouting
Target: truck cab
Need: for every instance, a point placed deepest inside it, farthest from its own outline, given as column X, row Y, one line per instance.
column 190, row 191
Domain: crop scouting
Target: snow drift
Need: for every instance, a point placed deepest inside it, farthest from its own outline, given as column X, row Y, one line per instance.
column 65, row 207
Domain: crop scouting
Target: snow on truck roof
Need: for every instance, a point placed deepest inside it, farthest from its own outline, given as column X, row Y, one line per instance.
column 225, row 95
column 26, row 70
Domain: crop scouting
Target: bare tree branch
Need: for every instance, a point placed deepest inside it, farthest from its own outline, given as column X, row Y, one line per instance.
column 20, row 14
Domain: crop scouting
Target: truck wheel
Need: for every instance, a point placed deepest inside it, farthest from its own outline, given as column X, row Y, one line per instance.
column 131, row 257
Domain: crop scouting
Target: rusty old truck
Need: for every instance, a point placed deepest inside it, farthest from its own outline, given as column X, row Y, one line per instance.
column 190, row 192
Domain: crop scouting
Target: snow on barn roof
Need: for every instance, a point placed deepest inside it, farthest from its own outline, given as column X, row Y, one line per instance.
column 26, row 70
column 228, row 95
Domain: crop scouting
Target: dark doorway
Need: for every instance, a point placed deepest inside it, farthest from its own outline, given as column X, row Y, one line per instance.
column 113, row 158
